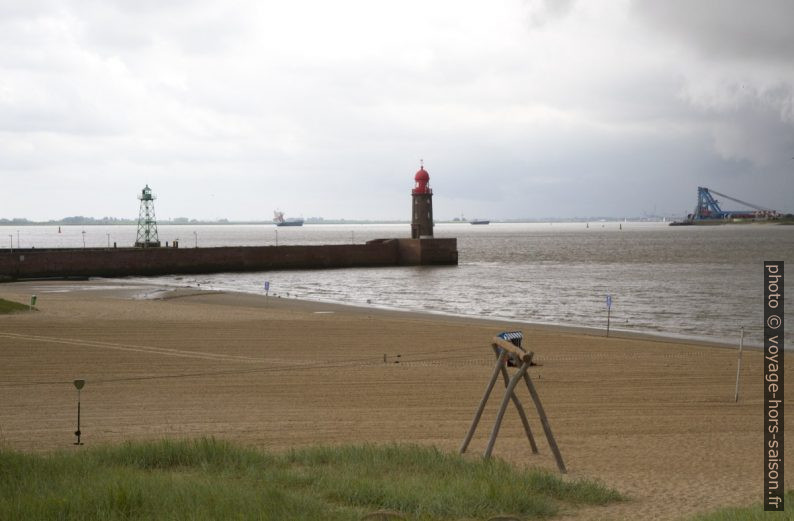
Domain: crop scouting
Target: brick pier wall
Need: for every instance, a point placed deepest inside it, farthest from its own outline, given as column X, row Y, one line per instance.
column 122, row 262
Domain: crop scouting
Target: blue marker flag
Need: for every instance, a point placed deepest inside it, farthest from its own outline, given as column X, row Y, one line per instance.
column 609, row 301
column 267, row 285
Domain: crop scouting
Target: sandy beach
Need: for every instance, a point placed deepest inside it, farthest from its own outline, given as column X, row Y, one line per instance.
column 653, row 418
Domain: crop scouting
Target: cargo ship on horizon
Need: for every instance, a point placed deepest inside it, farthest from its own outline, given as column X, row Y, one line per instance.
column 279, row 220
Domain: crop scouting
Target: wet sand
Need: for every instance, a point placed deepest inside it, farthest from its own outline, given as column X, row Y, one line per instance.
column 653, row 418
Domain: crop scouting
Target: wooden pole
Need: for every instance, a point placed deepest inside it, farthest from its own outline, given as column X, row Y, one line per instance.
column 502, row 408
column 480, row 408
column 739, row 366
column 520, row 409
column 510, row 349
column 609, row 312
column 77, row 432
column 545, row 422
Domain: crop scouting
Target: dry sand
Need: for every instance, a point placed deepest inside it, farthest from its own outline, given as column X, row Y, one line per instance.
column 654, row 419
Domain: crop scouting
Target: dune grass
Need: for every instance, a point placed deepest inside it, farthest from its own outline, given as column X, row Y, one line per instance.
column 7, row 306
column 754, row 513
column 210, row 479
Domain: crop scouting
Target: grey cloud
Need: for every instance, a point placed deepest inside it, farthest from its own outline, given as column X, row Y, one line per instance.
column 543, row 12
column 725, row 29
column 11, row 9
column 736, row 73
column 564, row 121
column 755, row 132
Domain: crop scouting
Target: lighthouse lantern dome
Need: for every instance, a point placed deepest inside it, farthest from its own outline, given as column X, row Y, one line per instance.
column 422, row 178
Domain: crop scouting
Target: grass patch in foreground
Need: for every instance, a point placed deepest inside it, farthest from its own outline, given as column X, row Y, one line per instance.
column 754, row 513
column 211, row 479
column 7, row 306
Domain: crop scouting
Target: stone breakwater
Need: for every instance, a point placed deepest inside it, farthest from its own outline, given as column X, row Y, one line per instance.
column 122, row 262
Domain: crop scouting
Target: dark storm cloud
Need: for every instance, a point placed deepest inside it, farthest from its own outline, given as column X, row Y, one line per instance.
column 738, row 82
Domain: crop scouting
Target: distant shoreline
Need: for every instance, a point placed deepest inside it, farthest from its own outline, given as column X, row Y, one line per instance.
column 314, row 220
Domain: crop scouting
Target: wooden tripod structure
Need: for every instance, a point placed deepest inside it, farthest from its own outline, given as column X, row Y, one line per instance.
column 505, row 351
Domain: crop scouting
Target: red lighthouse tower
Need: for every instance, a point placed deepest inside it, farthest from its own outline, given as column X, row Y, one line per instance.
column 422, row 215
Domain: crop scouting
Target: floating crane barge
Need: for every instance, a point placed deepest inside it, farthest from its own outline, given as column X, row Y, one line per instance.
column 708, row 211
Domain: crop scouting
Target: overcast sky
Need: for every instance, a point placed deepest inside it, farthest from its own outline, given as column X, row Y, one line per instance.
column 519, row 108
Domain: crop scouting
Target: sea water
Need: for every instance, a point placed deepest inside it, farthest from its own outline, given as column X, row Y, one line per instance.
column 695, row 281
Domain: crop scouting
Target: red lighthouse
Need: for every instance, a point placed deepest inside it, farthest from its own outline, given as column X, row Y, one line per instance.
column 422, row 215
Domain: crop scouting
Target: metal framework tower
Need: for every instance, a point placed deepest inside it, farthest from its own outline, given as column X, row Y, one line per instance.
column 147, row 225
column 707, row 207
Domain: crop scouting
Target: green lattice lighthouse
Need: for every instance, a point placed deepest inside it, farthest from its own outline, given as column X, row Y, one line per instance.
column 147, row 225
column 422, row 214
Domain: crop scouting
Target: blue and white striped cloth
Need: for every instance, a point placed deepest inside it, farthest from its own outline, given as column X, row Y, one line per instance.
column 514, row 337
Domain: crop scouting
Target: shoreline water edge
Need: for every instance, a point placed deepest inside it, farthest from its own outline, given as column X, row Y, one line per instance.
column 152, row 289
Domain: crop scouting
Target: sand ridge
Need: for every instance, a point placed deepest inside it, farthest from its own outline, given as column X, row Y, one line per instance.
column 654, row 419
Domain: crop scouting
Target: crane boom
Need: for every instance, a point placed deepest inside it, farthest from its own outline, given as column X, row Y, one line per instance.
column 739, row 201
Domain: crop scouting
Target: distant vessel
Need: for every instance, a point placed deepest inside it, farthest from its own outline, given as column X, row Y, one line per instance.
column 708, row 211
column 278, row 218
column 480, row 221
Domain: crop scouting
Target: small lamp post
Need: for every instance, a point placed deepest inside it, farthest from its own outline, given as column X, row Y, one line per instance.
column 78, row 385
